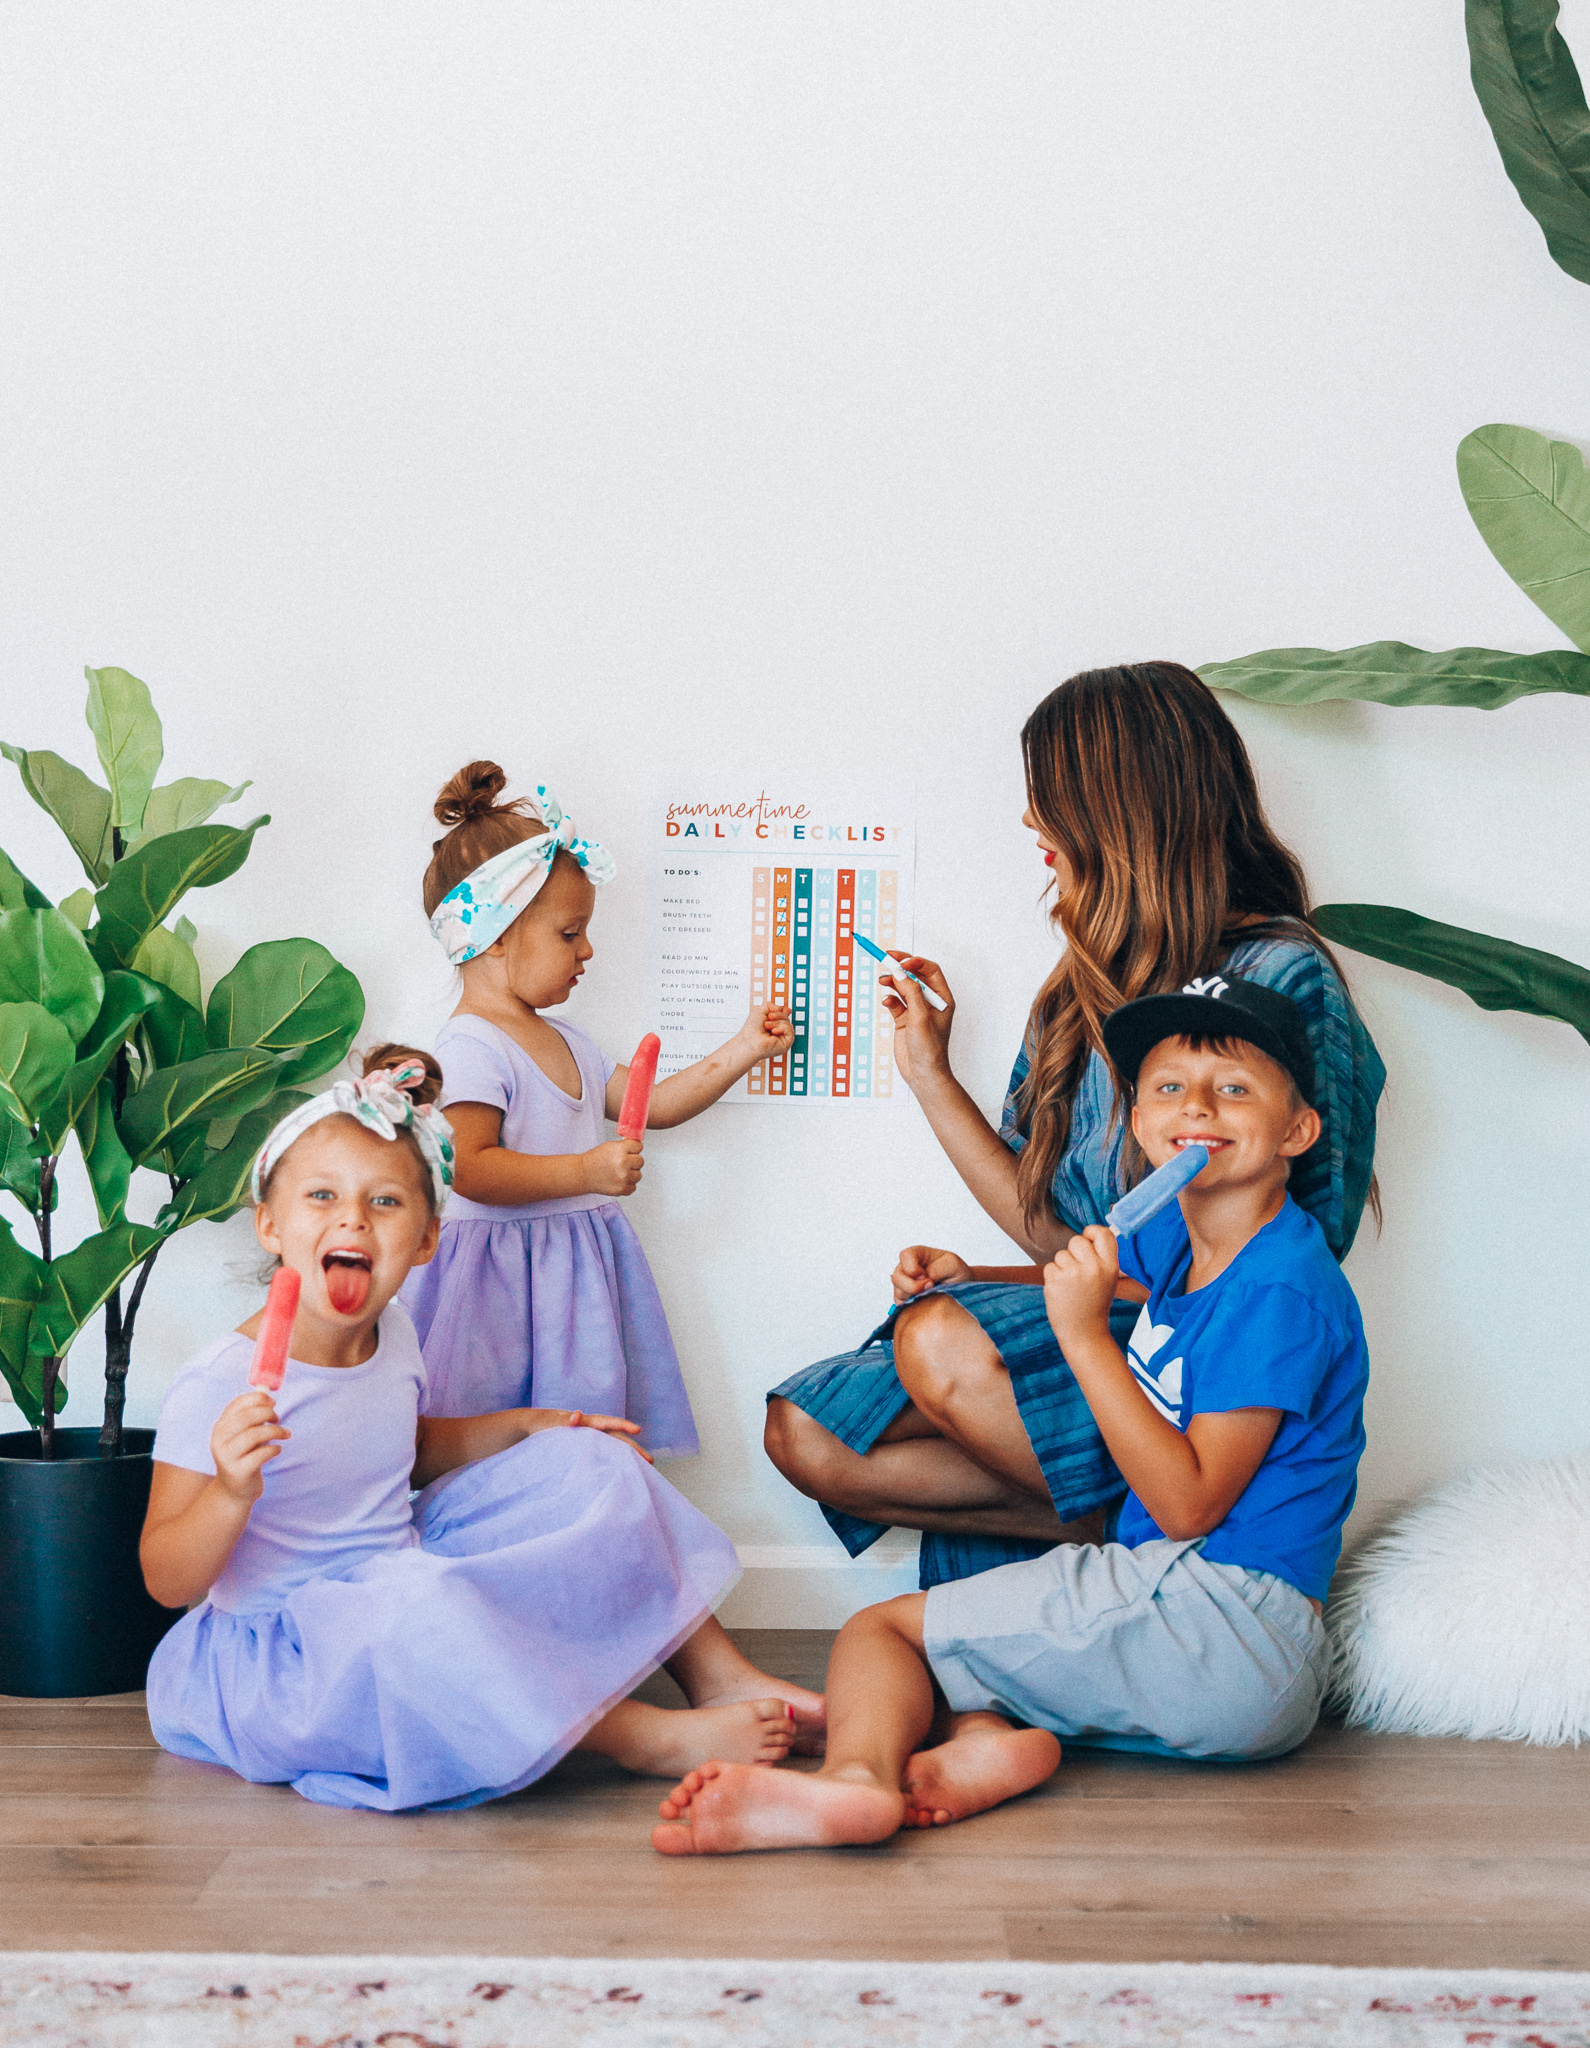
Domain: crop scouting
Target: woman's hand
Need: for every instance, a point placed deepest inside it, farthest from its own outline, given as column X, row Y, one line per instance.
column 246, row 1436
column 923, row 1266
column 921, row 1033
column 767, row 1032
column 576, row 1418
column 614, row 1168
column 1079, row 1284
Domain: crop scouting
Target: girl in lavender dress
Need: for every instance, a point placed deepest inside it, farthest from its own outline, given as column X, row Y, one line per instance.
column 373, row 1651
column 539, row 1290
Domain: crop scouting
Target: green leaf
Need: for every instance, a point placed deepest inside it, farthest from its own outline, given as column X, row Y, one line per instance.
column 167, row 957
column 1527, row 83
column 176, row 805
column 174, row 1030
column 288, row 993
column 19, row 1163
column 35, row 1052
column 79, row 907
column 16, row 891
column 22, row 1277
column 222, row 1185
column 43, row 960
column 1388, row 672
column 1530, row 499
column 221, row 1083
column 79, row 1281
column 105, row 1156
column 148, row 885
column 127, row 734
column 80, row 807
column 127, row 997
column 1498, row 974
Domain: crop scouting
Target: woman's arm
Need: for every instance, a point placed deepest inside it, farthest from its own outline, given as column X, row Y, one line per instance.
column 976, row 1151
column 194, row 1522
column 484, row 1170
column 1188, row 1482
column 445, row 1442
column 766, row 1032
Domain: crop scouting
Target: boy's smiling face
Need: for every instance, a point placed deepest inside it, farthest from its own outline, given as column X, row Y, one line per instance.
column 1231, row 1097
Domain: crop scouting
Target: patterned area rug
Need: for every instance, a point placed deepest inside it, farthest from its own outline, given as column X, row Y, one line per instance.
column 249, row 2001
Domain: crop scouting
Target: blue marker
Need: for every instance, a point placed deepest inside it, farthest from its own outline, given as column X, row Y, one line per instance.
column 1161, row 1188
column 894, row 967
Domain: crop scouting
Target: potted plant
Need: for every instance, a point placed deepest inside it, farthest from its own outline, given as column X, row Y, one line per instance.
column 108, row 1042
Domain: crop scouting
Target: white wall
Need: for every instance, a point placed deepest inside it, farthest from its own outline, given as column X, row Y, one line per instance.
column 600, row 386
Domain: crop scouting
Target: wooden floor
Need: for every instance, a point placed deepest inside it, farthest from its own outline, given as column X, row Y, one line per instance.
column 1355, row 1850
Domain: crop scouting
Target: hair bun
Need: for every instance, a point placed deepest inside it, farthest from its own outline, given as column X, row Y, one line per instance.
column 472, row 793
column 419, row 1091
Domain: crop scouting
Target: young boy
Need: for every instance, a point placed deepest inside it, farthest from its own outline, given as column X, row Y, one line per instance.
column 1237, row 1423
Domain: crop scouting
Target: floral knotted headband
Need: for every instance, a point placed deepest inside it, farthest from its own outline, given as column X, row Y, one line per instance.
column 480, row 909
column 379, row 1102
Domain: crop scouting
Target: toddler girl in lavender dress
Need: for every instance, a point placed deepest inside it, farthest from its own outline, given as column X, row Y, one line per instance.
column 539, row 1290
column 380, row 1652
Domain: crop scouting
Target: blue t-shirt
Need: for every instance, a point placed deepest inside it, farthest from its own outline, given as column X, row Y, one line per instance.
column 1279, row 1328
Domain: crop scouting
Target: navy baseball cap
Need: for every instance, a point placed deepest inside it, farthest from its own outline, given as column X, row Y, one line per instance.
column 1213, row 1006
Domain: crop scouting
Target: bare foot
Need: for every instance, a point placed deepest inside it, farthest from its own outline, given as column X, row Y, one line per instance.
column 984, row 1762
column 723, row 1808
column 658, row 1742
column 810, row 1708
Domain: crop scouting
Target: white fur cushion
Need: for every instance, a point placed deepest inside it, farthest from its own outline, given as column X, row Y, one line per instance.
column 1470, row 1615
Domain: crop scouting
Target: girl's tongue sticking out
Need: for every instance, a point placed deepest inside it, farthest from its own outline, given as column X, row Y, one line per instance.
column 347, row 1280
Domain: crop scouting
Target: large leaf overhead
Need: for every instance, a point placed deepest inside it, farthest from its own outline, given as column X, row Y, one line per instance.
column 174, row 1099
column 1498, row 974
column 176, row 805
column 1388, row 672
column 1530, row 498
column 288, row 993
column 16, row 891
column 151, row 881
column 126, row 729
column 1529, row 87
column 79, row 806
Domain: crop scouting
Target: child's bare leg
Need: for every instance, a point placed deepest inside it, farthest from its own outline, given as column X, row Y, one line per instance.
column 657, row 1742
column 880, row 1706
column 711, row 1672
column 985, row 1760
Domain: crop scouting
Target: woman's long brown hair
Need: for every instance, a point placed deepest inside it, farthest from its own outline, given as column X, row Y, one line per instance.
column 1143, row 783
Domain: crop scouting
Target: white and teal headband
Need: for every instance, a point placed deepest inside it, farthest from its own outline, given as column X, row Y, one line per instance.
column 381, row 1103
column 477, row 913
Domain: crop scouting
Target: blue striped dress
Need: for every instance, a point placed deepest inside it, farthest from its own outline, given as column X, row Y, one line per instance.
column 858, row 1395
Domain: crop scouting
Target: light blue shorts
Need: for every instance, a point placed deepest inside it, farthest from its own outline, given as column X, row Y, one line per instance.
column 1149, row 1649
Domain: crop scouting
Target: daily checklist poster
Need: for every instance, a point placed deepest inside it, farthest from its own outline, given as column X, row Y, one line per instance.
column 754, row 896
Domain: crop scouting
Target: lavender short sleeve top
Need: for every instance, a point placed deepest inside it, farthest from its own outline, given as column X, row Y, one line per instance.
column 481, row 1063
column 338, row 1490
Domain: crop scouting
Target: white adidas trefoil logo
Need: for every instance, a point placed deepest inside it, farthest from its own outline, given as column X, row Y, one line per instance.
column 1206, row 985
column 1163, row 1388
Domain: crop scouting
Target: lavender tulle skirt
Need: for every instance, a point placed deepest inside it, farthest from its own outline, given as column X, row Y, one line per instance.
column 545, row 1584
column 550, row 1312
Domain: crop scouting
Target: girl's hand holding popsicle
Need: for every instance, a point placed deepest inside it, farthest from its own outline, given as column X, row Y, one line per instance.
column 614, row 1168
column 246, row 1436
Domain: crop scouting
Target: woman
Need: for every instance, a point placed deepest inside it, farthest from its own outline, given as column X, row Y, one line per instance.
column 968, row 1424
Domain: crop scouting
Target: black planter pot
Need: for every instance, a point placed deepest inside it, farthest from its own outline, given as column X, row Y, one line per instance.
column 74, row 1616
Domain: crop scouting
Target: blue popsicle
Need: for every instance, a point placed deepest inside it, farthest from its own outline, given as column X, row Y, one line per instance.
column 894, row 967
column 1161, row 1188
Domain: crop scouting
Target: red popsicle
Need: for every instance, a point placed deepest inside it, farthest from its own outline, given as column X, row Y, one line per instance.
column 275, row 1332
column 637, row 1094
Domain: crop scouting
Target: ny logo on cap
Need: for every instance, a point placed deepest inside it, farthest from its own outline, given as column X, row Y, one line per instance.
column 1206, row 985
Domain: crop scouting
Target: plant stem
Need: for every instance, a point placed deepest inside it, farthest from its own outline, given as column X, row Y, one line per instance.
column 118, row 1357
column 52, row 1372
column 42, row 1216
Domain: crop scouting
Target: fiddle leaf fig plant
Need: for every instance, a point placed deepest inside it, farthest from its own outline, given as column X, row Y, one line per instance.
column 1528, row 495
column 107, row 1040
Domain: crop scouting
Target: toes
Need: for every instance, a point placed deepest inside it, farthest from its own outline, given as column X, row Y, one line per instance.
column 673, row 1841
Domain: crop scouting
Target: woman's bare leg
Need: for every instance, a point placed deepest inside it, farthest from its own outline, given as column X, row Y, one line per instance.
column 959, row 1459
